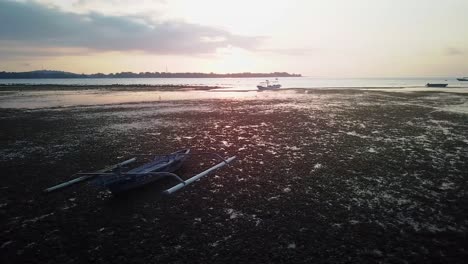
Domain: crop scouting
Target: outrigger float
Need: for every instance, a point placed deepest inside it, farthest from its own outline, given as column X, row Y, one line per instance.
column 118, row 178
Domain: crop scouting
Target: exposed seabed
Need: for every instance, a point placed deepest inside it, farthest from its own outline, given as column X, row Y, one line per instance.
column 322, row 176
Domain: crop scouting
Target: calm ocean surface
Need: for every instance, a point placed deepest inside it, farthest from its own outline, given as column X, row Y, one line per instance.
column 250, row 83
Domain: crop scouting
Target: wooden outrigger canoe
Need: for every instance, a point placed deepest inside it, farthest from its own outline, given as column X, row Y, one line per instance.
column 117, row 178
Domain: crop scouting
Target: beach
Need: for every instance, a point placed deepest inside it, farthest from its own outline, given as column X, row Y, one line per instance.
column 321, row 176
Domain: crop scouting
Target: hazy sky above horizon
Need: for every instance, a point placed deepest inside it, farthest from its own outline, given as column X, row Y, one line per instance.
column 322, row 38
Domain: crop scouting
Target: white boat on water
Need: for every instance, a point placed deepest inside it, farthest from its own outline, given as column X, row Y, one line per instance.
column 269, row 85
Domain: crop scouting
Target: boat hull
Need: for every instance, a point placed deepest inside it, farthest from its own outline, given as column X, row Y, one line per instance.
column 462, row 79
column 270, row 87
column 132, row 182
column 436, row 85
column 144, row 174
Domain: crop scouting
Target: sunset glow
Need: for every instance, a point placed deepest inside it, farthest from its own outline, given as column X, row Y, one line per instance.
column 361, row 38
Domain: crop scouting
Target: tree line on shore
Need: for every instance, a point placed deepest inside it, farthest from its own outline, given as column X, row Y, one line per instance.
column 46, row 74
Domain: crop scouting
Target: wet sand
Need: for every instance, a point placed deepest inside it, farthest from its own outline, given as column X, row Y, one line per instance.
column 323, row 176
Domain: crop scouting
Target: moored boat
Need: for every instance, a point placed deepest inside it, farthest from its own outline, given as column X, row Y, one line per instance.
column 143, row 174
column 436, row 85
column 118, row 178
column 464, row 79
column 267, row 85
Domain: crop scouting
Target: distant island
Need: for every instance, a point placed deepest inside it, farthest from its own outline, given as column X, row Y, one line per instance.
column 47, row 74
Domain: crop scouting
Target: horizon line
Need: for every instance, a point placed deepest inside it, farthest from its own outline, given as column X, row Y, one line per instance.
column 246, row 72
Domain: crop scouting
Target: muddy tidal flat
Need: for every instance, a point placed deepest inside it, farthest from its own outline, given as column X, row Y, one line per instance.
column 321, row 176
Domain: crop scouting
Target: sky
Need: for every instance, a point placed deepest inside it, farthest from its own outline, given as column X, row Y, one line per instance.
column 318, row 38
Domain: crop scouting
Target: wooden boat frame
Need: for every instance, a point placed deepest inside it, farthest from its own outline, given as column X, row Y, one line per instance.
column 143, row 174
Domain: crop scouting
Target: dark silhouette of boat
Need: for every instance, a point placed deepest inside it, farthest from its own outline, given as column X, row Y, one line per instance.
column 436, row 85
column 464, row 79
column 118, row 178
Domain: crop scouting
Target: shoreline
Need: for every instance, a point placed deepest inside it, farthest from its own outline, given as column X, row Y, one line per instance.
column 114, row 87
column 73, row 96
column 190, row 87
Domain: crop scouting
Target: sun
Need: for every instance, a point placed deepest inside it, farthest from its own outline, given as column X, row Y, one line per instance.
column 232, row 59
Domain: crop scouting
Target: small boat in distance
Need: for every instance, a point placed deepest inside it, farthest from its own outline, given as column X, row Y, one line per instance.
column 464, row 79
column 267, row 85
column 436, row 85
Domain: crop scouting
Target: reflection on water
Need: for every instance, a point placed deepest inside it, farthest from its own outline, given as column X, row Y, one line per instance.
column 249, row 83
column 47, row 99
column 43, row 99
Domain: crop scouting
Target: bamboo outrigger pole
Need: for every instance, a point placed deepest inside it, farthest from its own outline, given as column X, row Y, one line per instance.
column 181, row 185
column 87, row 176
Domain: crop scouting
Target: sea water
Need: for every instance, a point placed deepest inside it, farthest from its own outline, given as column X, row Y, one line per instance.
column 250, row 83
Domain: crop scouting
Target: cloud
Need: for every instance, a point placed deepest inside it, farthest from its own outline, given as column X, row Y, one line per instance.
column 292, row 51
column 452, row 51
column 113, row 6
column 11, row 50
column 39, row 26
